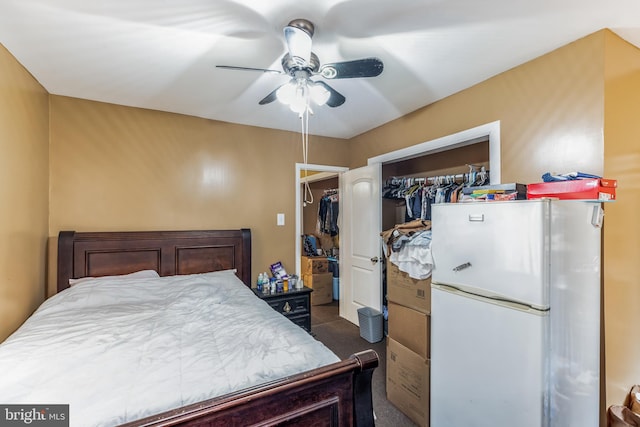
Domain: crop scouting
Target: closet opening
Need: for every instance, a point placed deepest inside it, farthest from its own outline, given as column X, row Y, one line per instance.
column 413, row 180
column 306, row 174
column 320, row 218
column 318, row 234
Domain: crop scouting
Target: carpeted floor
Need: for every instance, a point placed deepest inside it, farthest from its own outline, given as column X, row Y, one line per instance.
column 343, row 338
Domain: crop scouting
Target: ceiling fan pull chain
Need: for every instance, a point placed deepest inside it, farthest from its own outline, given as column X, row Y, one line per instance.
column 304, row 121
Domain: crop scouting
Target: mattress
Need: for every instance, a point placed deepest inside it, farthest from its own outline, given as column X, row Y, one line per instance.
column 120, row 350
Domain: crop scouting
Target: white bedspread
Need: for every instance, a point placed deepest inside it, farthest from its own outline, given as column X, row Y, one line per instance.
column 127, row 349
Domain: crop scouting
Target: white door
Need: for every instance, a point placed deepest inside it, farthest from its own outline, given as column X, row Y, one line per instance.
column 360, row 248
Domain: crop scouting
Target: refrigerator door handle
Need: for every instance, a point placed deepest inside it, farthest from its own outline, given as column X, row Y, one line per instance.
column 462, row 267
column 492, row 299
column 447, row 288
column 597, row 216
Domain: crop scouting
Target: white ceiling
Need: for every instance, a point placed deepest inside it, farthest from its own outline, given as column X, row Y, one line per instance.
column 162, row 54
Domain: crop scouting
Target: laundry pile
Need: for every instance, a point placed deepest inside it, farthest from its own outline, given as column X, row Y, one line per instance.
column 570, row 176
column 408, row 246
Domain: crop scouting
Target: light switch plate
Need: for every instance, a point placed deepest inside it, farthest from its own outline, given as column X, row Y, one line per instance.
column 280, row 219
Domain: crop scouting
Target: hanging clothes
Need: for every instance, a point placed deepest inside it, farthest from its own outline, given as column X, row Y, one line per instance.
column 328, row 211
column 419, row 194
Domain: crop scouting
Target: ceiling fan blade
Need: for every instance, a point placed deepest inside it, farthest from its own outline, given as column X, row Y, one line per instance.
column 367, row 67
column 336, row 99
column 271, row 97
column 264, row 70
column 299, row 44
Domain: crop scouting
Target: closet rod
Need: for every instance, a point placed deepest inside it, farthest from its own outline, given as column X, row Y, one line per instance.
column 422, row 180
column 444, row 177
column 430, row 178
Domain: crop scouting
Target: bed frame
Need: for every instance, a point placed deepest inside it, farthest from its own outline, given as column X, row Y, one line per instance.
column 334, row 395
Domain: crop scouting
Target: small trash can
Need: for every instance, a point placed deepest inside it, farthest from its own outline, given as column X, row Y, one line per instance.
column 370, row 324
column 334, row 267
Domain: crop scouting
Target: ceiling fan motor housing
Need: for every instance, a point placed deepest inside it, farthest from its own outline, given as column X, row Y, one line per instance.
column 291, row 64
column 304, row 25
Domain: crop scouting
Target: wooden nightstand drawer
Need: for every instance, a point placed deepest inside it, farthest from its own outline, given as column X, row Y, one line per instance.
column 295, row 305
column 289, row 305
column 303, row 321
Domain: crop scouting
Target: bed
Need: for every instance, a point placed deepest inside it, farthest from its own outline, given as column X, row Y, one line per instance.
column 171, row 369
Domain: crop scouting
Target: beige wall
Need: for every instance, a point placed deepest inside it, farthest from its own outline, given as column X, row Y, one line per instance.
column 24, row 159
column 622, row 228
column 122, row 168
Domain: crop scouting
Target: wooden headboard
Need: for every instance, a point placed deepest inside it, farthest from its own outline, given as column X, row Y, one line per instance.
column 168, row 252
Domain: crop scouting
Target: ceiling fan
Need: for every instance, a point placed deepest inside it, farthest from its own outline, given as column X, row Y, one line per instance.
column 301, row 64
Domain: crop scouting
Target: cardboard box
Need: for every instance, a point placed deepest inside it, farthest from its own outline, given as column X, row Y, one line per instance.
column 313, row 265
column 408, row 382
column 315, row 281
column 322, row 285
column 411, row 328
column 586, row 189
column 404, row 290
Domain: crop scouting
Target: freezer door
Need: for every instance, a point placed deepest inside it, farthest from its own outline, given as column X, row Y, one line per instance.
column 497, row 248
column 488, row 364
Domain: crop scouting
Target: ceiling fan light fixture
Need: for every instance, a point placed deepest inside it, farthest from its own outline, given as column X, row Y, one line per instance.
column 287, row 93
column 318, row 93
column 299, row 106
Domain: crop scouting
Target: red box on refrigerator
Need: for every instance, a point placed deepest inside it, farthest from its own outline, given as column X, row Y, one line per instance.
column 584, row 189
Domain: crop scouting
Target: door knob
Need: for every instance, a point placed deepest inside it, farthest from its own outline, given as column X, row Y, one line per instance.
column 374, row 259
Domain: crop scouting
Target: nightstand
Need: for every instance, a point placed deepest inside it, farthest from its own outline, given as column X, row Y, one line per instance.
column 294, row 305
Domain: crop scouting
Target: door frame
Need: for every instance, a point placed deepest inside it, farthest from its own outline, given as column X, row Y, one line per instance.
column 325, row 172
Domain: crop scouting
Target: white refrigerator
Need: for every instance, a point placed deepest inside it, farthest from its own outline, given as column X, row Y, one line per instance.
column 515, row 314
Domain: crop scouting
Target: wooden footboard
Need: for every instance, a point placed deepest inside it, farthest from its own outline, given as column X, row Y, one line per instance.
column 334, row 395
